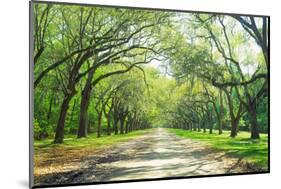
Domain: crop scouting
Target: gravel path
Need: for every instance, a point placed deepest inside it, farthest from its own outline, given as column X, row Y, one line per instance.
column 156, row 155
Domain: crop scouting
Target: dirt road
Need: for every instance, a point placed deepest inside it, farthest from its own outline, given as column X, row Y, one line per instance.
column 156, row 155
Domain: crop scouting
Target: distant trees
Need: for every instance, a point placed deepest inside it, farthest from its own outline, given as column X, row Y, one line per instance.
column 212, row 55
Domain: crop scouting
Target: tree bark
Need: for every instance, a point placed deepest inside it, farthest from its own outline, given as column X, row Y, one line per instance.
column 234, row 118
column 108, row 122
column 84, row 104
column 61, row 122
column 72, row 111
column 88, row 123
column 221, row 113
column 210, row 125
column 99, row 124
column 217, row 112
column 122, row 125
column 127, row 126
column 211, row 128
column 115, row 125
column 50, row 109
column 254, row 122
column 194, row 126
column 82, row 129
column 234, row 128
column 204, row 128
column 250, row 105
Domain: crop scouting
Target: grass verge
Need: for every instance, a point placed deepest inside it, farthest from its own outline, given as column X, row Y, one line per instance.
column 90, row 141
column 251, row 151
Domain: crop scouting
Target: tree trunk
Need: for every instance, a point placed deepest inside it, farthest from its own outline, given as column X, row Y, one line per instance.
column 108, row 124
column 234, row 127
column 72, row 111
column 132, row 122
column 126, row 126
column 85, row 100
column 221, row 113
column 234, row 118
column 251, row 108
column 210, row 122
column 211, row 128
column 254, row 122
column 88, row 123
column 122, row 125
column 50, row 109
column 61, row 122
column 115, row 126
column 204, row 128
column 194, row 126
column 218, row 115
column 84, row 104
column 99, row 124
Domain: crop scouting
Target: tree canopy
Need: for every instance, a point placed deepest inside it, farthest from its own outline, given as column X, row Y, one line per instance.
column 115, row 70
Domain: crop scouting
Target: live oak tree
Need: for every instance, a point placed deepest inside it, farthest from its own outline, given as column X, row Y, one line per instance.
column 100, row 40
column 212, row 58
column 113, row 70
column 226, row 47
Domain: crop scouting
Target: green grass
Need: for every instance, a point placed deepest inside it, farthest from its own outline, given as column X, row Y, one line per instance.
column 252, row 151
column 90, row 141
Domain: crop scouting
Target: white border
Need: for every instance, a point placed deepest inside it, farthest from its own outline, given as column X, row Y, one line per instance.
column 14, row 92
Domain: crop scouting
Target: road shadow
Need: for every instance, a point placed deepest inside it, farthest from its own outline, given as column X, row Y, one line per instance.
column 157, row 156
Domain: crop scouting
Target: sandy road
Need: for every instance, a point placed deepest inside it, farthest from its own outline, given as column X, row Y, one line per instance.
column 156, row 155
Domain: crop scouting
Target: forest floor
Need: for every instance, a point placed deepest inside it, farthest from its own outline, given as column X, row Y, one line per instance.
column 156, row 154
